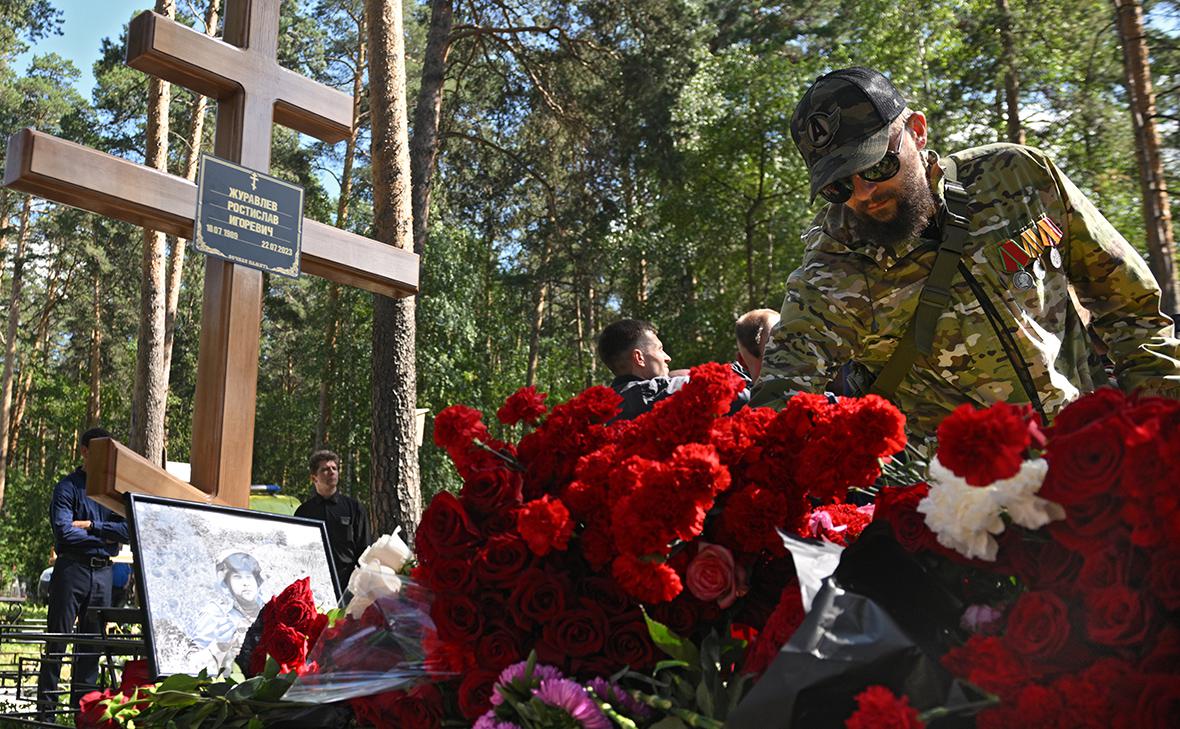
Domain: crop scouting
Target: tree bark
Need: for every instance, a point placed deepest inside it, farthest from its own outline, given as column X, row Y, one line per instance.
column 196, row 133
column 1157, row 214
column 328, row 377
column 395, row 492
column 1011, row 73
column 14, row 302
column 427, row 112
column 94, row 400
column 151, row 388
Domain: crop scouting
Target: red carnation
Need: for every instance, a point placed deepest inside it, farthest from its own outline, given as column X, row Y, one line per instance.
column 984, row 446
column 651, row 582
column 457, row 426
column 525, row 405
column 779, row 628
column 545, row 524
column 878, row 708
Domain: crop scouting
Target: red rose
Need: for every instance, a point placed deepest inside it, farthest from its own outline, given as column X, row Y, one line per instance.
column 712, row 575
column 135, row 674
column 1117, row 616
column 1085, row 464
column 878, row 708
column 526, row 405
column 1165, row 652
column 538, row 598
column 295, row 606
column 988, row 663
column 420, row 707
column 475, row 693
column 490, row 490
column 1087, row 410
column 679, row 615
column 1159, row 702
column 498, row 648
column 577, row 632
column 628, row 643
column 91, row 710
column 1163, row 577
column 445, row 530
column 984, row 446
column 1039, row 705
column 545, row 524
column 502, row 559
column 1038, row 626
column 446, row 575
column 1087, row 523
column 456, row 617
column 1044, row 565
column 899, row 507
column 1107, row 564
column 285, row 644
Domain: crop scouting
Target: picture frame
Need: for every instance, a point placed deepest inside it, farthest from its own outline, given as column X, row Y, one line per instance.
column 205, row 571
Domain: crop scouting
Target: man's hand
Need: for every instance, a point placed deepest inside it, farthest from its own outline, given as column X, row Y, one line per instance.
column 83, row 524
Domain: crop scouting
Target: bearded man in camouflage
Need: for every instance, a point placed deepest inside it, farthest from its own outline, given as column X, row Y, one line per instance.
column 1007, row 325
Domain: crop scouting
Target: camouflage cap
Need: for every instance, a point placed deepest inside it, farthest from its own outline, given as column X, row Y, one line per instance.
column 841, row 125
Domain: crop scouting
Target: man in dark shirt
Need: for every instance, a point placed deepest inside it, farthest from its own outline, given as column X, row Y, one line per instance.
column 85, row 535
column 347, row 522
column 631, row 349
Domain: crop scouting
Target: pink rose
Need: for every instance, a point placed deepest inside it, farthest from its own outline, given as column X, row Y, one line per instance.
column 712, row 575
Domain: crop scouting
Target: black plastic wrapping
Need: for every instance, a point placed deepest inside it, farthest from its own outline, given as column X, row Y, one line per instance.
column 852, row 639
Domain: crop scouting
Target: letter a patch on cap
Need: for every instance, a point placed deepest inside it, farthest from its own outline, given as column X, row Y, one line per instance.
column 1032, row 240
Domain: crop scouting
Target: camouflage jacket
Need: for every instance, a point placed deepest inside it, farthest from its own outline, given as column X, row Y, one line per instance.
column 853, row 302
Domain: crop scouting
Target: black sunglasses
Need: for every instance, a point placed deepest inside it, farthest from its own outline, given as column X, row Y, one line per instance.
column 839, row 191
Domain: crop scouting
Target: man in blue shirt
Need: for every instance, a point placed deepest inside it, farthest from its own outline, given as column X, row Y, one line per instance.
column 86, row 535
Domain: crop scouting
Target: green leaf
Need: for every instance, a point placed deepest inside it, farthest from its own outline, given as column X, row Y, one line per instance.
column 670, row 663
column 272, row 668
column 235, row 674
column 176, row 698
column 179, row 682
column 704, row 699
column 670, row 643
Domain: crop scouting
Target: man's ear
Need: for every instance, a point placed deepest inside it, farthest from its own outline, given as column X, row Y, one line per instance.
column 637, row 358
column 917, row 126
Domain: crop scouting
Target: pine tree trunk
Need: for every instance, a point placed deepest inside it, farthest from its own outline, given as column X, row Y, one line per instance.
column 151, row 389
column 94, row 401
column 328, row 377
column 1157, row 214
column 395, row 492
column 14, row 303
column 1011, row 73
column 196, row 133
column 427, row 112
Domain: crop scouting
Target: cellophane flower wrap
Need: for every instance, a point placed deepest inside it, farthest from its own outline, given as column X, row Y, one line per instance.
column 558, row 543
column 377, row 643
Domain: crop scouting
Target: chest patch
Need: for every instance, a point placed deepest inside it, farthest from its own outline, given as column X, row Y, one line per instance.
column 1033, row 239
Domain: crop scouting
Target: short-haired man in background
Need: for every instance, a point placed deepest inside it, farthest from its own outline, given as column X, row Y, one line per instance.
column 753, row 332
column 631, row 349
column 86, row 535
column 347, row 522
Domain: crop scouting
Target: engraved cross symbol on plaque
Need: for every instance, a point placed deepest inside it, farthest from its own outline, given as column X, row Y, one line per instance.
column 253, row 92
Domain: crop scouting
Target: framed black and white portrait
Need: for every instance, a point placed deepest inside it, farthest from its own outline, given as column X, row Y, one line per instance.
column 206, row 571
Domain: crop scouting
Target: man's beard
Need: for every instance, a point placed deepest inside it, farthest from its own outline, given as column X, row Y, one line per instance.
column 916, row 206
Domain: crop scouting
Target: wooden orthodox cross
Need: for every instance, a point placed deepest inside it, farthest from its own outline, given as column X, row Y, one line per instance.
column 252, row 93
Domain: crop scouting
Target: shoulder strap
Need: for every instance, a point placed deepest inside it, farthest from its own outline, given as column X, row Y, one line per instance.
column 936, row 294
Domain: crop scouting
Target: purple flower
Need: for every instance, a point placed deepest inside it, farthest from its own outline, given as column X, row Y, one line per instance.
column 569, row 696
column 614, row 695
column 489, row 721
column 515, row 672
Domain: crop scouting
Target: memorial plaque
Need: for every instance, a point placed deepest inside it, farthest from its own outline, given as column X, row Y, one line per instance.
column 247, row 217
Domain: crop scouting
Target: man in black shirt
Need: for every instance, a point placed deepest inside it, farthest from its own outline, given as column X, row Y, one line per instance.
column 347, row 522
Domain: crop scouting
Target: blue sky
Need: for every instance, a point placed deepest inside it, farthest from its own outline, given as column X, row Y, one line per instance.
column 85, row 24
